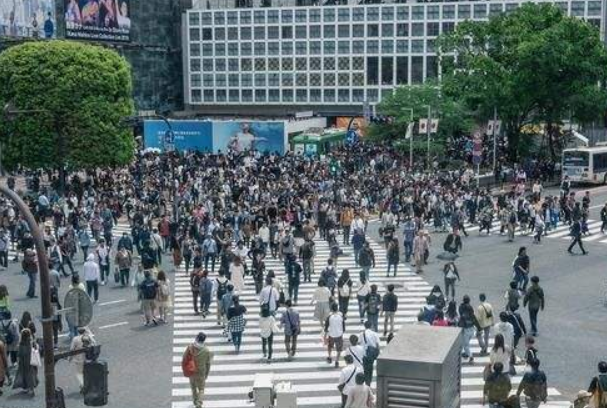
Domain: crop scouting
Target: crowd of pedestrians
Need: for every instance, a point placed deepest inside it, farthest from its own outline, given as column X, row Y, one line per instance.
column 220, row 216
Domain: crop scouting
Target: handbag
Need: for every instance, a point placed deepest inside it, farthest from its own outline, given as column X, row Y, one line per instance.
column 116, row 275
column 487, row 372
column 35, row 358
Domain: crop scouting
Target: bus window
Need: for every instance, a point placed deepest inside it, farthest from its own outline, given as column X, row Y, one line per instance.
column 599, row 162
column 575, row 159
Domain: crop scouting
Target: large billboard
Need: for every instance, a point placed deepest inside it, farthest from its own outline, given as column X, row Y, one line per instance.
column 102, row 20
column 27, row 18
column 240, row 135
column 188, row 134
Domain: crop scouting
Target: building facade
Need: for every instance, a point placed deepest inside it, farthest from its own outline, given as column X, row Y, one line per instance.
column 330, row 59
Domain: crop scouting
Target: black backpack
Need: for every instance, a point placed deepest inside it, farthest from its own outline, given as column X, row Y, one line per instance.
column 6, row 334
column 222, row 288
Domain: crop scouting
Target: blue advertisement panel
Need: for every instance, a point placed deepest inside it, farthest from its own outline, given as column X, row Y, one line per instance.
column 187, row 134
column 243, row 135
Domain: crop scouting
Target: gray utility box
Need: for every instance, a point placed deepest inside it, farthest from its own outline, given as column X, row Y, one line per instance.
column 420, row 368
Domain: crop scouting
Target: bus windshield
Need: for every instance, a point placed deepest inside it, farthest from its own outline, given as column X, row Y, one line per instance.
column 579, row 159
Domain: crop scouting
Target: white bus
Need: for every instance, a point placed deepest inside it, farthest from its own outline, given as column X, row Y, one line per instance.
column 585, row 165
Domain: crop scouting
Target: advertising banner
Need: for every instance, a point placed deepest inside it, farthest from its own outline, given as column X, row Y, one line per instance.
column 27, row 18
column 241, row 135
column 187, row 135
column 101, row 20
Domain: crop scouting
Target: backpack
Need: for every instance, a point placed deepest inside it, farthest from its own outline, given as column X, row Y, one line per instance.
column 373, row 304
column 148, row 289
column 222, row 288
column 6, row 333
column 512, row 218
column 188, row 365
column 364, row 258
column 601, row 398
column 195, row 281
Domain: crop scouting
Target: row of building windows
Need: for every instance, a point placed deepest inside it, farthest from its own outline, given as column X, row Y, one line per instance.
column 221, row 34
column 383, row 71
column 375, row 13
column 345, row 47
column 347, row 96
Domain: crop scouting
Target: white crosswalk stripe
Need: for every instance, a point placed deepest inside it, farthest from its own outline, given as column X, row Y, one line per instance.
column 232, row 375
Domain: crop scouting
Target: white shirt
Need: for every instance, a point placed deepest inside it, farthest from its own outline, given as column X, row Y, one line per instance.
column 264, row 234
column 506, row 330
column 357, row 352
column 336, row 325
column 264, row 297
column 368, row 338
column 348, row 376
column 91, row 271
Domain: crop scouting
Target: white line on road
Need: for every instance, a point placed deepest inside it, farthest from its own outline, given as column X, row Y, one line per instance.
column 113, row 325
column 113, row 302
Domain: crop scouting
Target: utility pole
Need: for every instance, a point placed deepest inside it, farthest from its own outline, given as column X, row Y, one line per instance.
column 428, row 129
column 495, row 135
column 45, row 297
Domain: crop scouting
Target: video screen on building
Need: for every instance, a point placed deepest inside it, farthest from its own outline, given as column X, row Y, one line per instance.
column 27, row 18
column 102, row 20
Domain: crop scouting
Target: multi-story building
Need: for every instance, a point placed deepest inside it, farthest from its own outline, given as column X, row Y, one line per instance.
column 293, row 55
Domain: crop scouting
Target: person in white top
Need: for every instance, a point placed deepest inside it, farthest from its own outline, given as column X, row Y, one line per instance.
column 361, row 395
column 500, row 353
column 320, row 299
column 504, row 328
column 356, row 351
column 370, row 342
column 91, row 277
column 347, row 377
column 335, row 326
column 361, row 295
column 269, row 295
column 237, row 274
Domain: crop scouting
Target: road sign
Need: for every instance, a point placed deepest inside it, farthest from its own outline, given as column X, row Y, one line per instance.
column 78, row 307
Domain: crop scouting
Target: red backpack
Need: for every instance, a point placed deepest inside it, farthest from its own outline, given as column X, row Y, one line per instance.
column 188, row 365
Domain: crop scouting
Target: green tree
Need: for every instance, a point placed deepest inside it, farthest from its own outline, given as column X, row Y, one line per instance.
column 454, row 118
column 535, row 65
column 77, row 94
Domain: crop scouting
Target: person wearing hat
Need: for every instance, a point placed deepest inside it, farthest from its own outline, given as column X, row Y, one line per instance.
column 202, row 357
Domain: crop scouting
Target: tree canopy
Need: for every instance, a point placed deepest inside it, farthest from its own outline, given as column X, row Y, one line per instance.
column 536, row 65
column 77, row 94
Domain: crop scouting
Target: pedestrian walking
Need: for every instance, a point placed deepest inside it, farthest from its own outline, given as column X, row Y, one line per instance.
column 124, row 261
column 329, row 276
column 409, row 231
column 291, row 323
column 521, row 267
column 344, row 291
column 534, row 301
column 467, row 321
column 575, row 231
column 205, row 291
column 356, row 351
column 513, row 296
column 484, row 317
column 30, row 267
column 91, row 273
column 307, row 259
column 334, row 329
column 83, row 339
column 366, row 260
column 393, row 255
column 293, row 278
column 321, row 301
column 196, row 365
column 373, row 307
column 236, row 322
column 370, row 343
column 534, row 385
column 346, row 378
column 497, row 388
column 163, row 296
column 500, row 353
column 363, row 290
column 102, row 253
column 28, row 363
column 267, row 328
column 195, row 278
column 149, row 292
column 451, row 274
column 361, row 395
column 4, row 367
column 420, row 247
column 223, row 305
column 598, row 387
column 388, row 309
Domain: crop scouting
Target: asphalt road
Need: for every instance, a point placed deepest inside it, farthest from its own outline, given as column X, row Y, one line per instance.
column 572, row 328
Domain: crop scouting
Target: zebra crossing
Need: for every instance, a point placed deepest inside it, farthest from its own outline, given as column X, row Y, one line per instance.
column 561, row 231
column 232, row 375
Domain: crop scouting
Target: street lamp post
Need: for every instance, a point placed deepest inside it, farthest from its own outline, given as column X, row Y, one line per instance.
column 410, row 138
column 428, row 130
column 45, row 297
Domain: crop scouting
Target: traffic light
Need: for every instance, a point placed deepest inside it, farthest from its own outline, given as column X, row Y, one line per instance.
column 95, row 388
